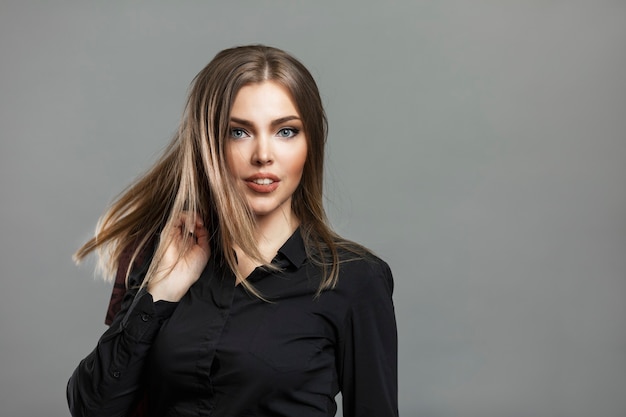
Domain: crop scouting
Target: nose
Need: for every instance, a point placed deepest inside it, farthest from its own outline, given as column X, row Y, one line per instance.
column 262, row 154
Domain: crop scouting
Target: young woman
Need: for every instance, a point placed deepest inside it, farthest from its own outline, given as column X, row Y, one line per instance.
column 239, row 300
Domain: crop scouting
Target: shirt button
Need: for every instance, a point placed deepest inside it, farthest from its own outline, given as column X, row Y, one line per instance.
column 116, row 374
column 145, row 317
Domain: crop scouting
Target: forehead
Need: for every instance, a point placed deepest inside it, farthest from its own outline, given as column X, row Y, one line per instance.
column 262, row 100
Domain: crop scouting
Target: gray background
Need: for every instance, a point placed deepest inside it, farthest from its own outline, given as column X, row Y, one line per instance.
column 478, row 146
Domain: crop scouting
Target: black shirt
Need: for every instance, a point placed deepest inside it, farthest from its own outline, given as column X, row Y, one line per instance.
column 223, row 352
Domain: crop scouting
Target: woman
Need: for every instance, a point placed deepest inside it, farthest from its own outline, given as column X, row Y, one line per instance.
column 240, row 300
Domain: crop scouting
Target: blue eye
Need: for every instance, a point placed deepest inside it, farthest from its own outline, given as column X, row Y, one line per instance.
column 237, row 133
column 287, row 132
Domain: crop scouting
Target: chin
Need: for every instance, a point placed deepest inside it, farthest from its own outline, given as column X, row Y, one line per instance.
column 261, row 212
column 264, row 210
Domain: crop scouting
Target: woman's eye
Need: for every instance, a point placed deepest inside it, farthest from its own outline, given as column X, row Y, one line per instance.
column 287, row 132
column 238, row 133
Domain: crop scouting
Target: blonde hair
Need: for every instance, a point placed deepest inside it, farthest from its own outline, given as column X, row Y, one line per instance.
column 192, row 176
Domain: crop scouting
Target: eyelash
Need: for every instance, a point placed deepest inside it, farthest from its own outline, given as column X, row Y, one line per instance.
column 237, row 129
column 292, row 132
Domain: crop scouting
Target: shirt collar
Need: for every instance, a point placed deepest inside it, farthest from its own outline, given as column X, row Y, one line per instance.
column 293, row 249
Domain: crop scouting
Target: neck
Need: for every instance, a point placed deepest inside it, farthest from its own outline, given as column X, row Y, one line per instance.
column 273, row 231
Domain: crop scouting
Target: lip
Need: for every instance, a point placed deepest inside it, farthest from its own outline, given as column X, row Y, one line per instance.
column 262, row 188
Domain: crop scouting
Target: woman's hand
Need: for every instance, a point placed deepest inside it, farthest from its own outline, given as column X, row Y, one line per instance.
column 175, row 274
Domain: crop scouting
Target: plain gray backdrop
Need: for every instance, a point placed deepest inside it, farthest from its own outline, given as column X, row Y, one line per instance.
column 478, row 146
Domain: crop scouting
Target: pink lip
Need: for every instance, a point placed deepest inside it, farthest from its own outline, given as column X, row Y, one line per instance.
column 262, row 188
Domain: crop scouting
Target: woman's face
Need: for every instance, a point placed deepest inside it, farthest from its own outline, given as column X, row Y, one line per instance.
column 266, row 148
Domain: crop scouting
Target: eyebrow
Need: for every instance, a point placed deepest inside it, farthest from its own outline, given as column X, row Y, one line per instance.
column 276, row 122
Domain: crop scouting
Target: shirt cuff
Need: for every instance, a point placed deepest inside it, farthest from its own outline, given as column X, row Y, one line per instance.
column 164, row 309
column 144, row 318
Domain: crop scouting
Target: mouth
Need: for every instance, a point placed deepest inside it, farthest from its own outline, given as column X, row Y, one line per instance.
column 262, row 183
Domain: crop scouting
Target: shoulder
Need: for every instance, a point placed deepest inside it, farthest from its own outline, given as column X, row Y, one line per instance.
column 364, row 292
column 365, row 276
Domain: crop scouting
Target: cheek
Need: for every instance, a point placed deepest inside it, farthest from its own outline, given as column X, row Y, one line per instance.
column 297, row 162
column 233, row 160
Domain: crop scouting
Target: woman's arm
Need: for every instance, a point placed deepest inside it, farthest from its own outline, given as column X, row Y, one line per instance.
column 368, row 362
column 107, row 381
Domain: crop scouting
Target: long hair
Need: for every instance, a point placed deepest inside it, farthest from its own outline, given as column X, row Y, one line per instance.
column 191, row 176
